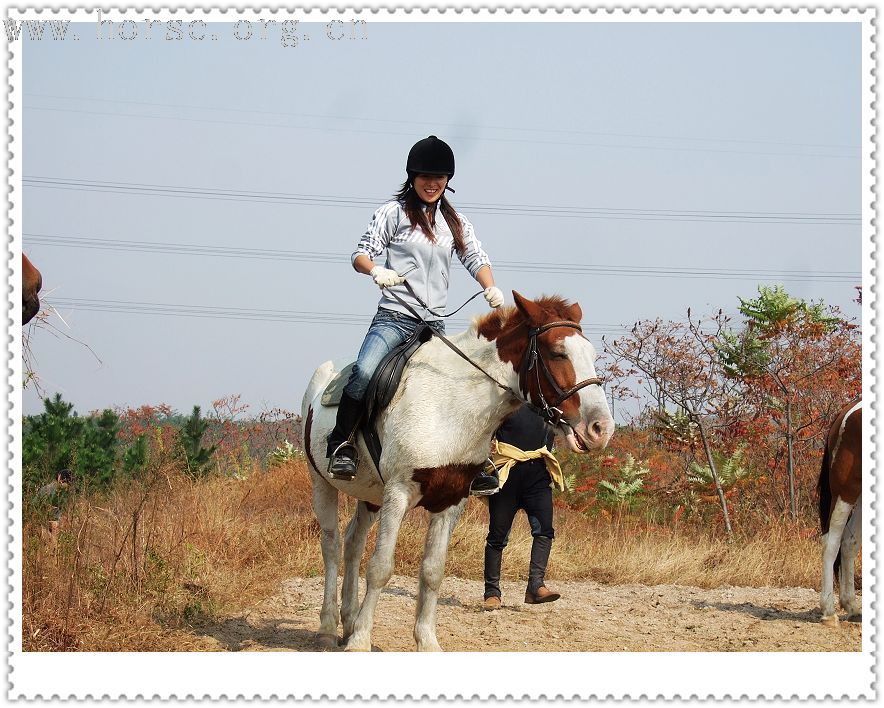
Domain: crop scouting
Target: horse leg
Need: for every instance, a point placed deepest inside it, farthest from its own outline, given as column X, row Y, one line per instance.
column 850, row 544
column 432, row 572
column 380, row 567
column 325, row 507
column 354, row 546
column 831, row 545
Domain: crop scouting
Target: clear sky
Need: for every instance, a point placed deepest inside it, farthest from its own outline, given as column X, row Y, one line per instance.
column 609, row 163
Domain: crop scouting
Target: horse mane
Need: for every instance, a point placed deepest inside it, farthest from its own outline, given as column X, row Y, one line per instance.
column 491, row 324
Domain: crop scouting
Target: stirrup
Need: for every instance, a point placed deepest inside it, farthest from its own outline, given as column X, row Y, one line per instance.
column 344, row 461
column 484, row 489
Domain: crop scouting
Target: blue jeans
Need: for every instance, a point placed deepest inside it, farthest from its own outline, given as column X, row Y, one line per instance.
column 388, row 329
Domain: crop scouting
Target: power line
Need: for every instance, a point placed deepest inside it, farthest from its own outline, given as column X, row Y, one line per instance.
column 497, row 209
column 499, row 265
column 328, row 128
column 467, row 126
column 253, row 314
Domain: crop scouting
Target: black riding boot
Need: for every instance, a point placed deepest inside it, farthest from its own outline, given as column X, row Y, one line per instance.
column 493, row 558
column 484, row 485
column 537, row 592
column 343, row 455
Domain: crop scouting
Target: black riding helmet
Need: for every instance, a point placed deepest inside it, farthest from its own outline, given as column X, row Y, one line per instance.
column 430, row 156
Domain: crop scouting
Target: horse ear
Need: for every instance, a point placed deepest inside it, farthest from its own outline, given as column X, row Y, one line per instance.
column 575, row 313
column 529, row 309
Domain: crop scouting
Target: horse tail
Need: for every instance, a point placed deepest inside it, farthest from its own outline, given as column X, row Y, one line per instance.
column 825, row 496
column 311, row 407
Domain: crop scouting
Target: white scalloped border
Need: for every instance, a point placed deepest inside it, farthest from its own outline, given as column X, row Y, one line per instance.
column 451, row 676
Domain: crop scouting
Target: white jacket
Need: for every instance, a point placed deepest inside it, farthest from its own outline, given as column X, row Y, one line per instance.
column 426, row 265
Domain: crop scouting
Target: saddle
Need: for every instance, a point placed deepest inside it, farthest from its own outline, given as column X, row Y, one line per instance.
column 381, row 388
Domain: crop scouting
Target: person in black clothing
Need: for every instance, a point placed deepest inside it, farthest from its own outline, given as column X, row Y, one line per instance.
column 523, row 452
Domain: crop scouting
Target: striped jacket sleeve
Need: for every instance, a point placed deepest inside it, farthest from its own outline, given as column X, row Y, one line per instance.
column 379, row 232
column 473, row 257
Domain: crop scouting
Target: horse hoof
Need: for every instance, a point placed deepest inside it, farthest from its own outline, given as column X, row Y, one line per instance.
column 855, row 617
column 429, row 647
column 357, row 646
column 327, row 642
column 351, row 647
column 830, row 621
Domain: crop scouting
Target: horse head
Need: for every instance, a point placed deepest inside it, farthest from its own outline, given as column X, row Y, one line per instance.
column 31, row 282
column 555, row 366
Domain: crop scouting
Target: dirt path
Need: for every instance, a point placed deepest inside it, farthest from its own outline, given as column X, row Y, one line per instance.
column 589, row 617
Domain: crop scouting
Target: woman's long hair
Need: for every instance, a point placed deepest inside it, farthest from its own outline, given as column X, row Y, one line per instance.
column 415, row 210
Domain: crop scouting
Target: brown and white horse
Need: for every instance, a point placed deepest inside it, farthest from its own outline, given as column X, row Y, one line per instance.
column 31, row 282
column 436, row 434
column 840, row 490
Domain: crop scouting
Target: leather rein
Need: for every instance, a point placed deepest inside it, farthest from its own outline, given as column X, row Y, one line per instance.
column 532, row 360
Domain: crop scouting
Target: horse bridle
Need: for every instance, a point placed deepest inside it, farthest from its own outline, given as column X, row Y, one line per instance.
column 532, row 359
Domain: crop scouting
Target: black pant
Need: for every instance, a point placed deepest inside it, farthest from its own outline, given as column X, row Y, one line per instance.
column 527, row 487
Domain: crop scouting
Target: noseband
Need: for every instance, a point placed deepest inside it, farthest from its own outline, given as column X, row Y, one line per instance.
column 532, row 360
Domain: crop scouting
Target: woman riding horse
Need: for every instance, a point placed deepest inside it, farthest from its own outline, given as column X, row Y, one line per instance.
column 419, row 247
column 435, row 435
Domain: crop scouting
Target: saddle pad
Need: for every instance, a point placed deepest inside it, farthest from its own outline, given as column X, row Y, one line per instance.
column 335, row 389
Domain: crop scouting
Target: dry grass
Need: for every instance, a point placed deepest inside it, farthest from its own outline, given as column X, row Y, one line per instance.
column 135, row 569
column 632, row 551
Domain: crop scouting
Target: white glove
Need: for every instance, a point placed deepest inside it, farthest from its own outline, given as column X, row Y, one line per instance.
column 385, row 278
column 494, row 296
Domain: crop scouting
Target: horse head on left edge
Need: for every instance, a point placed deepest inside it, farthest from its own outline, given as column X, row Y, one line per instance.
column 31, row 282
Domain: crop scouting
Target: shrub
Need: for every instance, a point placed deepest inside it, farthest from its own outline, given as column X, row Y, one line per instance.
column 59, row 439
column 623, row 489
column 285, row 454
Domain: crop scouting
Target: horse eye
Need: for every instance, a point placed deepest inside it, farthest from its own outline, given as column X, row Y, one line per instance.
column 559, row 355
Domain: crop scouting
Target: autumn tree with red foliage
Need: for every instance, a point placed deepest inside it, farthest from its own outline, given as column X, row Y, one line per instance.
column 678, row 362
column 798, row 363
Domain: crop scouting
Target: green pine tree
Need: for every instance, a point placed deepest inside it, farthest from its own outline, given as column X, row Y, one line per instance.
column 135, row 457
column 97, row 450
column 58, row 439
column 190, row 439
column 49, row 441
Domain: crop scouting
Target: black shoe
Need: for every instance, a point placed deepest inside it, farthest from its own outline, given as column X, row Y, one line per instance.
column 344, row 461
column 484, row 484
column 342, row 454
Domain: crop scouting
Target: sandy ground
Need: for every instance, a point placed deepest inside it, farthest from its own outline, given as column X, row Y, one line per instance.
column 589, row 617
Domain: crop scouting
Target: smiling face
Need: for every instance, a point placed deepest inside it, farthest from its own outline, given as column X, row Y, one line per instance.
column 430, row 187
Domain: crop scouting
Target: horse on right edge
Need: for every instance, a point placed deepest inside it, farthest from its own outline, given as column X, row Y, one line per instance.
column 840, row 492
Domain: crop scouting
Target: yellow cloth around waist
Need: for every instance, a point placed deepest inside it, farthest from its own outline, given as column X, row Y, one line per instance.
column 504, row 456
